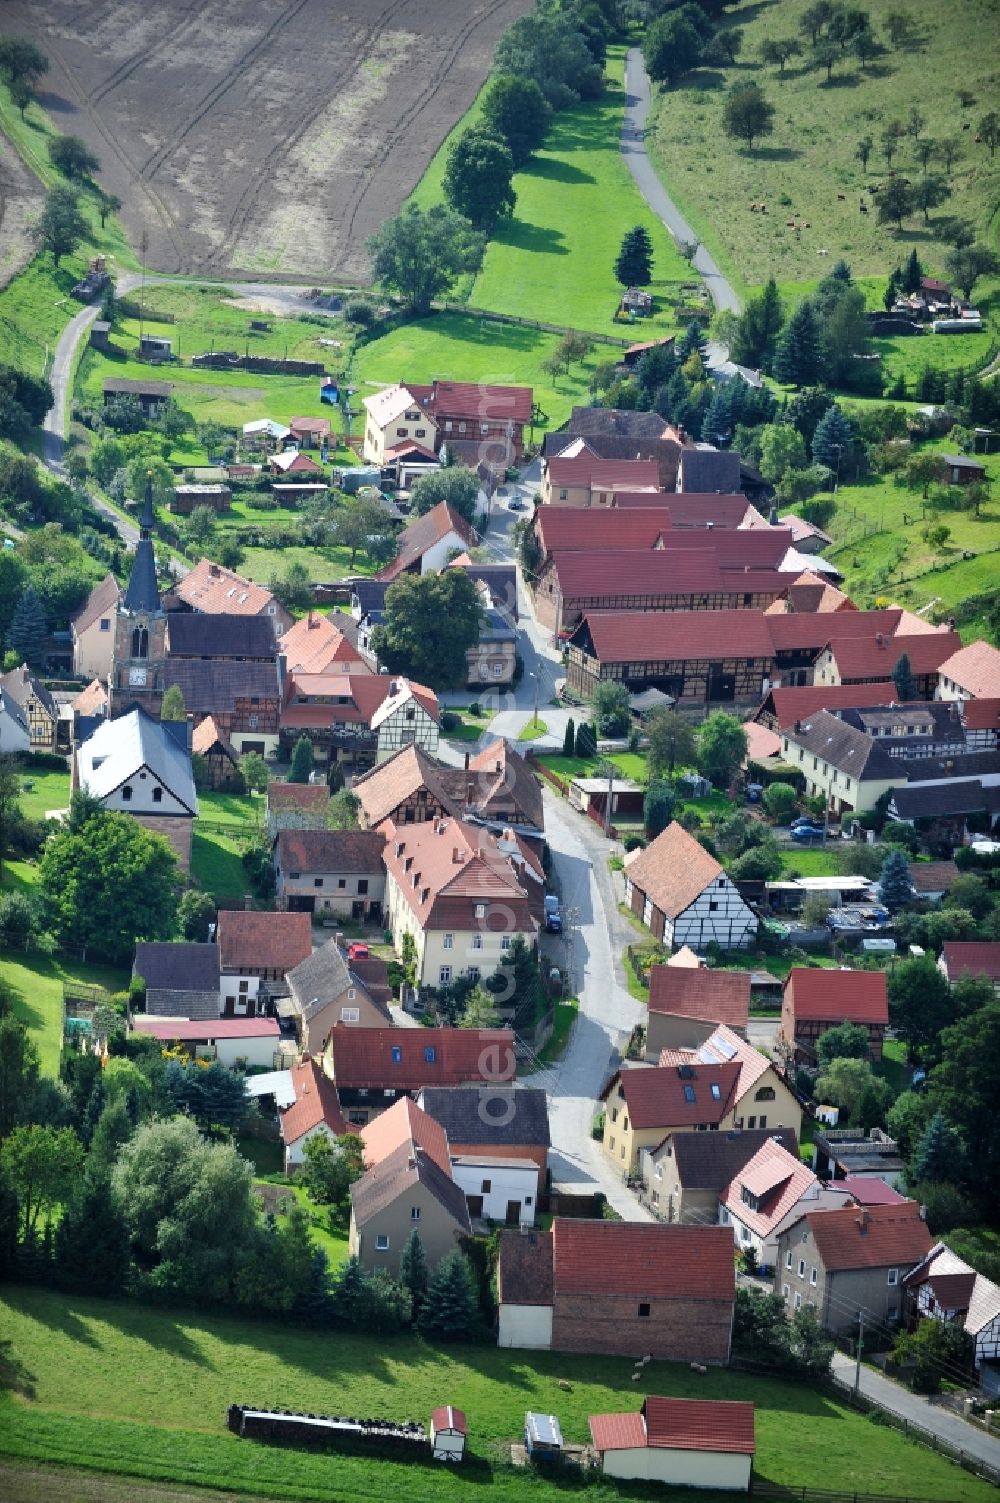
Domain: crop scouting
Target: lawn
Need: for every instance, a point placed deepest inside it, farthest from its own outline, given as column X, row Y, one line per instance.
column 554, row 258
column 562, row 1026
column 93, row 1368
column 321, row 564
column 892, row 1066
column 533, row 730
column 239, row 809
column 217, row 865
column 630, row 765
column 810, row 862
column 37, row 984
column 49, row 791
column 807, row 170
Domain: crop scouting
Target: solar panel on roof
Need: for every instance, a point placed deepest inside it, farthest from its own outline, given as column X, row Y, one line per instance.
column 725, row 1048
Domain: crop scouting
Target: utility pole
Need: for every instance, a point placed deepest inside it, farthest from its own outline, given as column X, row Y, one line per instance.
column 861, row 1343
column 607, row 806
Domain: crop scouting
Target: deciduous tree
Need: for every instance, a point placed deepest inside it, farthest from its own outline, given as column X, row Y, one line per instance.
column 420, row 253
column 254, row 772
column 674, row 44
column 73, row 158
column 776, row 51
column 671, row 740
column 846, row 1041
column 61, row 226
column 966, row 264
column 657, row 807
column 42, row 1164
column 895, row 202
column 478, row 178
column 722, row 748
column 610, row 703
column 430, row 623
column 173, row 706
column 920, row 1005
column 456, row 484
column 747, row 115
column 516, row 110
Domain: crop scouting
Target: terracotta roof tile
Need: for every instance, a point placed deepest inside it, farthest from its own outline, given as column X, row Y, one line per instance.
column 677, row 636
column 446, row 870
column 610, row 474
column 404, row 1122
column 207, row 736
column 365, row 1057
column 709, row 1160
column 312, row 796
column 570, row 529
column 524, row 1270
column 800, row 630
column 719, row 996
column 870, row 1192
column 396, row 1174
column 673, row 869
column 392, row 782
column 102, row 601
column 316, row 1101
column 192, row 1030
column 422, row 533
column 975, row 668
column 477, row 400
column 777, row 1179
column 265, row 941
column 933, row 876
column 870, row 658
column 315, row 642
column 501, row 775
column 651, row 572
column 211, row 588
column 872, row 1237
column 685, row 1094
column 646, row 1259
column 981, row 714
column 678, row 1425
column 971, row 958
column 93, row 700
column 355, row 851
column 799, row 703
column 617, row 1432
column 835, row 996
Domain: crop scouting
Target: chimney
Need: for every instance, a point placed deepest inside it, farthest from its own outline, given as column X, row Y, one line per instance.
column 214, row 572
column 863, row 1221
column 797, row 727
column 879, row 639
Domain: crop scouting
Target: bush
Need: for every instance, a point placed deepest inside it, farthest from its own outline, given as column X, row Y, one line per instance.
column 449, row 721
column 357, row 311
column 634, row 843
column 779, row 801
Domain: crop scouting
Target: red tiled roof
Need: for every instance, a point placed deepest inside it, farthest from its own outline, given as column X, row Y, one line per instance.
column 211, row 588
column 870, row 658
column 93, row 700
column 313, row 643
column 570, row 529
column 354, row 851
column 102, row 601
column 981, row 714
column 316, row 1101
column 761, row 742
column 777, row 1179
column 645, row 1259
column 297, row 795
column 604, row 474
column 263, row 941
column 795, row 704
column 650, row 572
column 673, row 870
column 404, row 1122
column 799, row 630
column 207, row 736
column 697, row 510
column 678, row 1425
column 448, row 1418
column 363, row 1057
column 445, row 869
column 421, row 535
column 719, row 996
column 872, row 1237
column 870, row 1192
column 477, row 400
column 953, row 1291
column 678, row 636
column 188, row 1030
column 746, row 548
column 975, row 668
column 655, row 1094
column 309, row 425
column 834, row 996
column 972, row 958
column 933, row 876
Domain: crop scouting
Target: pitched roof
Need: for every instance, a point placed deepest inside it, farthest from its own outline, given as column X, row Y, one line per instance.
column 793, row 704
column 388, row 784
column 387, row 405
column 709, row 1160
column 193, row 1030
column 404, row 1122
column 292, row 462
column 397, row 1174
column 777, row 1180
column 177, row 967
column 709, row 470
column 645, row 1259
column 316, row 1101
column 570, row 529
column 949, row 1276
column 213, row 687
column 933, row 876
column 319, row 425
column 366, row 1058
column 325, row 975
column 447, row 869
column 685, row 958
column 102, row 601
column 676, row 636
column 976, row 669
column 803, row 630
column 944, row 800
column 622, row 420
column 218, row 591
column 191, row 634
column 835, row 996
column 304, row 796
column 744, row 548
column 871, row 658
column 93, row 700
column 477, row 400
column 679, row 1425
column 503, row 1118
column 803, row 530
column 611, row 474
column 971, row 958
column 724, row 1046
column 311, row 644
column 207, row 736
column 265, row 941
column 651, row 572
column 672, row 870
column 346, row 851
column 502, row 774
column 870, row 1192
column 447, row 1418
column 719, row 996
column 21, row 685
column 980, row 714
column 422, row 533
column 872, row 1237
column 677, row 1095
column 120, row 748
column 524, row 1268
column 845, row 747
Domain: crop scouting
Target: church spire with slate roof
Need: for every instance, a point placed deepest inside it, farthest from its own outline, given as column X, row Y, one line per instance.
column 142, row 593
column 140, row 627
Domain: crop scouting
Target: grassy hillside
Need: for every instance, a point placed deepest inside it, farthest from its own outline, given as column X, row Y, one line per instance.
column 82, row 1370
column 810, row 158
column 37, row 983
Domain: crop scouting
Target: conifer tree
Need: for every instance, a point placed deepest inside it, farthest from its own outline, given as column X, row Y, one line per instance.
column 913, row 272
column 349, row 1293
column 692, row 342
column 895, row 887
column 91, row 1242
column 798, row 358
column 902, row 677
column 302, row 761
column 586, row 740
column 450, row 1307
column 833, row 442
column 569, row 738
column 28, row 631
column 414, row 1274
column 634, row 265
column 939, row 1154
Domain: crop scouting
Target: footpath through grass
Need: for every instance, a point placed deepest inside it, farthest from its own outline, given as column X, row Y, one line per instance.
column 86, row 1378
column 806, row 171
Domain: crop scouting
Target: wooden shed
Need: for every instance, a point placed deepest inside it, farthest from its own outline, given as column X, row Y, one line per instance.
column 187, row 497
column 449, row 1431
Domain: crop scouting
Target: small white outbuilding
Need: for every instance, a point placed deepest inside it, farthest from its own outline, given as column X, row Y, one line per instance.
column 449, row 1430
column 684, row 1442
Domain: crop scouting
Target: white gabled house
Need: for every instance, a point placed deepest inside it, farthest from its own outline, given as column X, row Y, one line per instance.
column 140, row 766
column 684, row 896
column 944, row 1287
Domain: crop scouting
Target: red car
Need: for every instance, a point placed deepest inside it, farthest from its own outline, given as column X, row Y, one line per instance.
column 358, row 951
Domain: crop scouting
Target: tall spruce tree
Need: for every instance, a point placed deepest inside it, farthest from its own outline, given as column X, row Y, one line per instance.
column 902, row 677
column 634, row 264
column 939, row 1154
column 450, row 1307
column 833, row 442
column 895, row 887
column 569, row 739
column 28, row 630
column 302, row 761
column 692, row 341
column 757, row 330
column 912, row 272
column 91, row 1241
column 414, row 1273
column 798, row 357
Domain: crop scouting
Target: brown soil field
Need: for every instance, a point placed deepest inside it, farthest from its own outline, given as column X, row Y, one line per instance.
column 20, row 200
column 268, row 138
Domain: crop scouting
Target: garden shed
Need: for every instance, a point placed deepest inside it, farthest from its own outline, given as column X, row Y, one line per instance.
column 449, row 1431
column 542, row 1436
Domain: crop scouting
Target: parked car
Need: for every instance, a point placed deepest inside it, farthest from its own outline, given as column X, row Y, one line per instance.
column 754, row 791
column 357, row 951
column 808, row 832
column 516, row 504
column 812, row 820
column 553, row 915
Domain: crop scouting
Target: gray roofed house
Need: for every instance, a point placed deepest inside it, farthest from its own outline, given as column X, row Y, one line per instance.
column 504, row 1118
column 213, row 687
column 140, row 766
column 630, row 424
column 705, row 470
column 182, row 980
column 499, row 579
column 685, row 1174
column 190, row 634
column 953, row 800
column 326, row 992
column 405, row 1191
column 367, row 595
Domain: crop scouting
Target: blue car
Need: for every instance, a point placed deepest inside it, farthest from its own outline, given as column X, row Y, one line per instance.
column 808, row 832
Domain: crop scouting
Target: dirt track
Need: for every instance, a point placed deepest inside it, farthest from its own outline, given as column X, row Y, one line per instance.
column 264, row 138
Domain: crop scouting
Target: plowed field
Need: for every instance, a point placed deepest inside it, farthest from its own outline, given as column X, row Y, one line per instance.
column 271, row 137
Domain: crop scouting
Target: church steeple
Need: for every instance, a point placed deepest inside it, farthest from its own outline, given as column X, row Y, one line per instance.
column 142, row 593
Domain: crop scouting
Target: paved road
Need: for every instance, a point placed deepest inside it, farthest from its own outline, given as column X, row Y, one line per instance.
column 920, row 1411
column 607, row 1015
column 637, row 100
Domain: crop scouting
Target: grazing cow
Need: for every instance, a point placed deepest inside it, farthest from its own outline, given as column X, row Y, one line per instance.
column 841, row 195
column 789, row 224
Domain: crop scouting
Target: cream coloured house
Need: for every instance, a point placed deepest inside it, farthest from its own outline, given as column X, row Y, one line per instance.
column 93, row 630
column 462, row 896
column 394, row 417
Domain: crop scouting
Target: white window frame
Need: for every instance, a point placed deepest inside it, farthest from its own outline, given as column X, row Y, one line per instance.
column 802, row 1268
column 449, row 942
column 350, row 1014
column 444, row 975
column 477, row 941
column 893, row 1277
column 381, row 1241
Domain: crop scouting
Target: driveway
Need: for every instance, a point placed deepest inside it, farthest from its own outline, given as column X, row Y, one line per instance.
column 920, row 1411
column 606, row 1018
column 638, row 92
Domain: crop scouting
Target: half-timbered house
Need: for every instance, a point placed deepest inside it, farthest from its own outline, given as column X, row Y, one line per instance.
column 683, row 895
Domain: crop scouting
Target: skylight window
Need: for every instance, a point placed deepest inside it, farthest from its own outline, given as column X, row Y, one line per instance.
column 689, row 1094
column 716, row 1091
